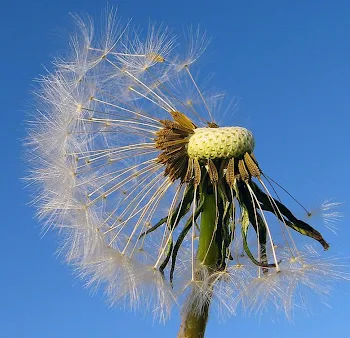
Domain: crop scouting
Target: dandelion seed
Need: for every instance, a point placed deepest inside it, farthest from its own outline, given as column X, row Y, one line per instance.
column 154, row 198
column 329, row 213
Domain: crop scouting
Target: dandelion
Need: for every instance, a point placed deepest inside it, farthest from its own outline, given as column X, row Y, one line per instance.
column 153, row 198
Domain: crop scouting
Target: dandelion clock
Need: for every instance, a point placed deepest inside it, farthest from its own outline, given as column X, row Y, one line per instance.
column 154, row 200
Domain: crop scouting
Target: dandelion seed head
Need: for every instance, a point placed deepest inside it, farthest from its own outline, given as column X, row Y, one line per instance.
column 125, row 158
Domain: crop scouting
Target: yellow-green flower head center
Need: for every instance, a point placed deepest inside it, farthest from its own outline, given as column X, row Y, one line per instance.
column 225, row 142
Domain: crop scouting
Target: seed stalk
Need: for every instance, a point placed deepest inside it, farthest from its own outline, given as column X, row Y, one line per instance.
column 193, row 323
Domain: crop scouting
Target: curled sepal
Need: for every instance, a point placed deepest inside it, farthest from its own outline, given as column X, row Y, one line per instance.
column 245, row 226
column 291, row 221
column 182, row 236
column 180, row 211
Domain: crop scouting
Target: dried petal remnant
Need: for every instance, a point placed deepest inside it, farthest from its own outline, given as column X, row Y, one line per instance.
column 172, row 140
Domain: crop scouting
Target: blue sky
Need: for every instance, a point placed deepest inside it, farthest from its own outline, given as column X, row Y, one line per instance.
column 288, row 62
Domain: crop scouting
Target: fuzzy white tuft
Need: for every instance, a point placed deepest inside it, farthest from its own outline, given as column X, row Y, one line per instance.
column 96, row 176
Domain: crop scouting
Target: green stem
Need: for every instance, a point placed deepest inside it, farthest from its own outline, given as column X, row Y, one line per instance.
column 193, row 324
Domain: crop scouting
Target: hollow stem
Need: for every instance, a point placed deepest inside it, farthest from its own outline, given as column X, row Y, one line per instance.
column 193, row 323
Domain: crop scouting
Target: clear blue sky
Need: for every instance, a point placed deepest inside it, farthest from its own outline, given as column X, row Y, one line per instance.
column 287, row 61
